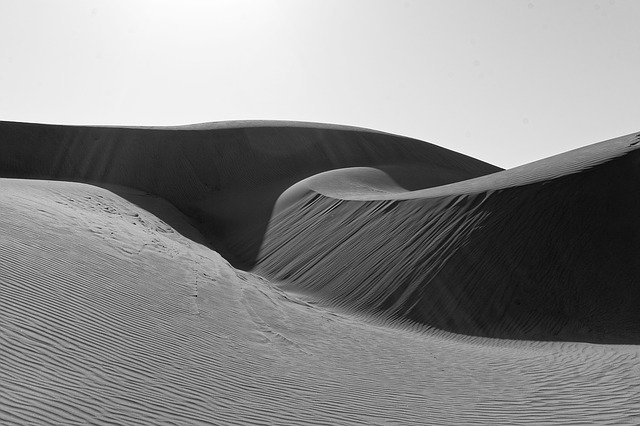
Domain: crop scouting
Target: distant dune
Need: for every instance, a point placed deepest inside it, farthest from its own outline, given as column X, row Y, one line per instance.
column 225, row 176
column 386, row 280
column 545, row 251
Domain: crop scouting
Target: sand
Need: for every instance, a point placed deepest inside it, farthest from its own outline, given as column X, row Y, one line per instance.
column 371, row 300
column 545, row 251
column 225, row 177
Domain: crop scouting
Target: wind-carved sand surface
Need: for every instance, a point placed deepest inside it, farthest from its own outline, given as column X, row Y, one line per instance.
column 488, row 297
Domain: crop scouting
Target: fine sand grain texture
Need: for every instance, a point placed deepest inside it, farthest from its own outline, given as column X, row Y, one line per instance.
column 408, row 284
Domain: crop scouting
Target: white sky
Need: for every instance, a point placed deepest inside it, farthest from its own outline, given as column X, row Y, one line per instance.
column 506, row 81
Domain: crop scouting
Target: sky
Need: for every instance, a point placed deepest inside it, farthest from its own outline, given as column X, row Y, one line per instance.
column 505, row 81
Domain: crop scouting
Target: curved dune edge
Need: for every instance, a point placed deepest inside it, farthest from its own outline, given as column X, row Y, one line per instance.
column 110, row 316
column 225, row 176
column 546, row 251
column 370, row 185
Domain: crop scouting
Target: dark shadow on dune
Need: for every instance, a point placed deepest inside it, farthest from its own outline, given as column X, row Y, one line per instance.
column 224, row 177
column 556, row 260
column 160, row 208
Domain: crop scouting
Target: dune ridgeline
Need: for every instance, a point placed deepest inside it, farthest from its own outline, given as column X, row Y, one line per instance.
column 225, row 177
column 382, row 224
column 369, row 279
column 545, row 251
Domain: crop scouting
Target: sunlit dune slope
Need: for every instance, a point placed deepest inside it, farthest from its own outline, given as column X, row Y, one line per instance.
column 108, row 315
column 225, row 176
column 546, row 251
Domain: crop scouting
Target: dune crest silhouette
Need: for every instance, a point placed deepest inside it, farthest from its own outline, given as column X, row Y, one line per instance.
column 545, row 251
column 225, row 176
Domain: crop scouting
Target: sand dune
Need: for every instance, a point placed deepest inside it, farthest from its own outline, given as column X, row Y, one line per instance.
column 226, row 176
column 545, row 251
column 392, row 262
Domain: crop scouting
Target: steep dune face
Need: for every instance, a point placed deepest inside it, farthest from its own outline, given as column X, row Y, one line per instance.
column 546, row 251
column 225, row 176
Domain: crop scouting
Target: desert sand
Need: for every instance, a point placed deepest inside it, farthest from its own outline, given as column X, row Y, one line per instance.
column 298, row 273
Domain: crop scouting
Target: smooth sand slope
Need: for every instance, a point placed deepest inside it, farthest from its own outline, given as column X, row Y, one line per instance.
column 114, row 308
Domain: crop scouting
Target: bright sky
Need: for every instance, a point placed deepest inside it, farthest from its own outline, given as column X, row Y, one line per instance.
column 506, row 81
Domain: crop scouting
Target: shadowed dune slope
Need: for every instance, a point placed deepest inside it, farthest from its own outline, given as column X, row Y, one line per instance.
column 545, row 251
column 225, row 176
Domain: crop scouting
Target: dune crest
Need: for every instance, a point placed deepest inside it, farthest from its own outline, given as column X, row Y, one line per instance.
column 225, row 176
column 545, row 251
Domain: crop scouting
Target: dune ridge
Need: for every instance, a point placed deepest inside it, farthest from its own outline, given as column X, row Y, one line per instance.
column 225, row 176
column 575, row 161
column 545, row 251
